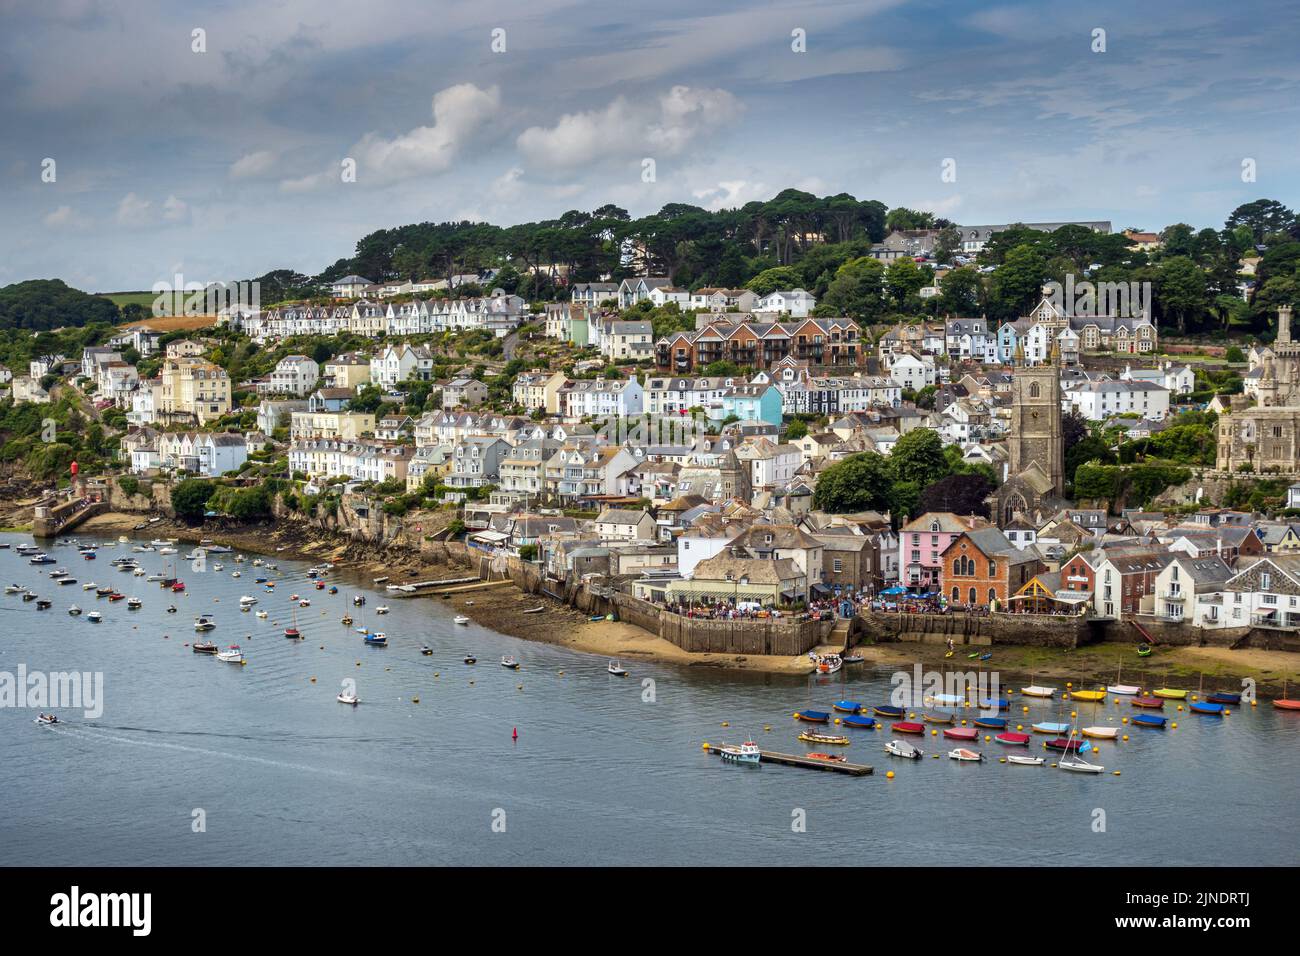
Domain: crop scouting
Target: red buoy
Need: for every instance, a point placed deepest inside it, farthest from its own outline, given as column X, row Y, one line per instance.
column 515, row 735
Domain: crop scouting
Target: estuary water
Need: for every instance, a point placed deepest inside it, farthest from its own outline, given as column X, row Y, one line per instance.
column 196, row 761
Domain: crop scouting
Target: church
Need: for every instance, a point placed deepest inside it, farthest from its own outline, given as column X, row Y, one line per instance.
column 1266, row 438
column 1033, row 488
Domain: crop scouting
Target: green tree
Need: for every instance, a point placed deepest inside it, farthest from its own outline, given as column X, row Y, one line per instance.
column 918, row 456
column 858, row 483
column 190, row 498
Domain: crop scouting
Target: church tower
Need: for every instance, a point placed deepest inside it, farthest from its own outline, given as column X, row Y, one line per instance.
column 1036, row 435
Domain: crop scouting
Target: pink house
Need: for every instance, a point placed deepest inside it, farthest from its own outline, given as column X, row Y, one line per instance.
column 921, row 543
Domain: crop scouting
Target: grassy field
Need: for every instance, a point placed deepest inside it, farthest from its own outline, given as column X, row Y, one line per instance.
column 121, row 299
column 174, row 323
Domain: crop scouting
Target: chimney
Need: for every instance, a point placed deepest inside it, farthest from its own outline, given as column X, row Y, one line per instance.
column 1283, row 325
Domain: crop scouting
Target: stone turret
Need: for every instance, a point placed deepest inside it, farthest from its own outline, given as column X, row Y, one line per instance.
column 1283, row 325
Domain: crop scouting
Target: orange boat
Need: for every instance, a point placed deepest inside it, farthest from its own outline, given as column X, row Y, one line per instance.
column 832, row 758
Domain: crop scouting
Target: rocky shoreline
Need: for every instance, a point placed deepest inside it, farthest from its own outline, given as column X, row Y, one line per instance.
column 558, row 624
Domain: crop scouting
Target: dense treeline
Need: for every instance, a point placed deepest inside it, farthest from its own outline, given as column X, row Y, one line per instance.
column 40, row 304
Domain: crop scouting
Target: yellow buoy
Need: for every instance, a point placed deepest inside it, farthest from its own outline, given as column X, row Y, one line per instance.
column 1074, row 713
column 415, row 700
column 1116, row 773
column 934, row 733
column 837, row 720
column 312, row 679
column 987, row 738
column 1125, row 737
column 725, row 724
column 706, row 745
column 1024, row 710
column 1174, row 725
column 1020, row 726
column 889, row 775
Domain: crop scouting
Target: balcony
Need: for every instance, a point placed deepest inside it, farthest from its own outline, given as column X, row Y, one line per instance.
column 1173, row 596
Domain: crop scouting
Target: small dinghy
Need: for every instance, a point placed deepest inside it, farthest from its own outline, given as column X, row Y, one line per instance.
column 382, row 609
column 510, row 662
column 813, row 716
column 1123, row 690
column 346, row 698
column 470, row 659
column 1078, row 765
column 44, row 605
column 1196, row 707
column 1001, row 703
column 261, row 614
column 1025, row 760
column 1048, row 727
column 134, row 604
column 945, row 700
column 1088, row 695
column 616, row 669
column 1012, row 739
column 203, row 647
column 231, row 655
column 74, row 610
column 907, row 727
column 1064, row 744
column 961, row 733
column 1035, row 690
column 830, row 758
column 1101, row 733
column 961, row 753
column 461, row 619
column 991, row 723
column 89, row 587
column 45, row 719
column 861, row 723
column 378, row 639
column 883, row 710
column 813, row 737
column 426, row 650
column 1154, row 703
column 901, row 748
column 1149, row 720
column 204, row 623
column 94, row 617
column 1221, row 697
column 939, row 716
column 1169, row 693
column 847, row 706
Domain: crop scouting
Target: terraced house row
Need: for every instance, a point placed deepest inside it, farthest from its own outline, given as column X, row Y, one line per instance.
column 760, row 345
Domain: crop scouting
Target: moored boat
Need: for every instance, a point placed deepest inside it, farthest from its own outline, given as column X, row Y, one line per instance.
column 203, row 647
column 1049, row 727
column 74, row 610
column 1064, row 743
column 348, row 698
column 884, row 710
column 1148, row 720
column 1012, row 739
column 94, row 617
column 461, row 619
column 1154, row 703
column 380, row 639
column 831, row 758
column 1078, row 764
column 901, row 748
column 907, row 727
column 1025, row 760
column 938, row 716
column 616, row 669
column 747, row 753
column 813, row 716
column 1101, row 733
column 1036, row 690
column 1222, row 697
column 1123, row 690
column 861, row 723
column 993, row 723
column 812, row 737
column 1203, row 707
column 961, row 733
column 1170, row 693
column 847, row 706
column 1001, row 703
column 961, row 753
column 509, row 662
column 204, row 623
column 1088, row 695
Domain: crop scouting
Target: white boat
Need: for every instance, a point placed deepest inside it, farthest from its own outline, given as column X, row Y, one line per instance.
column 167, row 550
column 142, row 548
column 140, row 572
column 901, row 748
column 204, row 623
column 236, row 574
column 231, row 655
column 1078, row 764
column 961, row 753
column 510, row 662
column 95, row 617
column 1123, row 690
column 1027, row 761
column 346, row 698
column 461, row 619
column 616, row 670
column 247, row 600
column 829, row 664
column 74, row 610
column 257, row 562
column 747, row 752
column 14, row 589
column 382, row 609
column 160, row 542
column 134, row 603
column 1035, row 690
column 218, row 567
column 262, row 615
column 1101, row 733
column 155, row 577
column 89, row 587
column 304, row 603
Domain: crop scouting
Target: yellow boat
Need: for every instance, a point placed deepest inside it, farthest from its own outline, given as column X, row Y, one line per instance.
column 1170, row 694
column 816, row 738
column 1088, row 694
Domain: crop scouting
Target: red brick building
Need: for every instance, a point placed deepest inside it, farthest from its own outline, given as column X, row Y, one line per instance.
column 982, row 566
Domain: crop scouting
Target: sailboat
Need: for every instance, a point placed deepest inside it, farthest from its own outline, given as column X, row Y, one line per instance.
column 292, row 632
column 1283, row 702
column 1122, row 690
column 1070, row 760
column 1098, row 731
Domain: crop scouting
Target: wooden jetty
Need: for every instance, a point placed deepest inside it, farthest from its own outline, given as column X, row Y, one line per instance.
column 798, row 760
column 412, row 588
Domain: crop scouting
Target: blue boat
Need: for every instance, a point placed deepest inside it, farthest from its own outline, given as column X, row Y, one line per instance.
column 1198, row 707
column 862, row 723
column 884, row 710
column 1049, row 727
column 813, row 716
column 847, row 706
column 376, row 640
column 996, row 723
column 985, row 657
column 1002, row 702
column 1149, row 720
column 1224, row 698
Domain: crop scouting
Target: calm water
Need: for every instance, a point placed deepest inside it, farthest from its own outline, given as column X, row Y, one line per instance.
column 287, row 775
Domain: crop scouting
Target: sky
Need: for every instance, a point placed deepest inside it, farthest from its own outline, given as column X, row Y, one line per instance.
column 134, row 149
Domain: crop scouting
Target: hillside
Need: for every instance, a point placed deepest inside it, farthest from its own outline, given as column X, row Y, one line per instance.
column 43, row 304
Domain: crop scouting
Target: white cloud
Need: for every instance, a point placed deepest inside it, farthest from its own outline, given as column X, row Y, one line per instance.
column 253, row 165
column 174, row 210
column 458, row 113
column 731, row 194
column 623, row 129
column 64, row 218
column 134, row 211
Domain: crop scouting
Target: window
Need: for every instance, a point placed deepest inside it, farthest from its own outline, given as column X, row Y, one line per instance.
column 973, row 598
column 837, row 565
column 993, row 595
column 993, row 569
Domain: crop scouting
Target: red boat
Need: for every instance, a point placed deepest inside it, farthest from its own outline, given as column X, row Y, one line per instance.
column 961, row 733
column 1061, row 743
column 1012, row 739
column 292, row 633
column 833, row 758
column 115, row 596
column 908, row 727
column 178, row 586
column 1155, row 703
column 320, row 585
column 1283, row 704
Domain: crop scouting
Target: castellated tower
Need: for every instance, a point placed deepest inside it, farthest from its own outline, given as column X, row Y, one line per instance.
column 1036, row 434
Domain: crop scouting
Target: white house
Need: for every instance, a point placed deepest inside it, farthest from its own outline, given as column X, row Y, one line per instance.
column 603, row 398
column 294, row 375
column 1098, row 401
column 912, row 372
column 398, row 363
column 793, row 302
